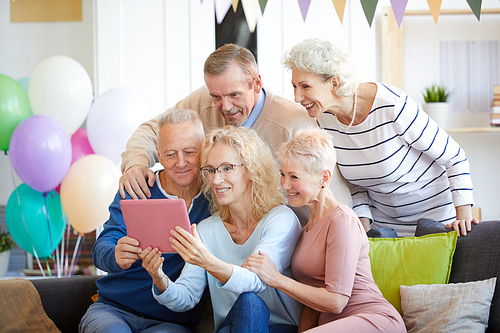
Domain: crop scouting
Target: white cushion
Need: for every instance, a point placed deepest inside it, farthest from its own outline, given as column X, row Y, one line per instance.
column 459, row 307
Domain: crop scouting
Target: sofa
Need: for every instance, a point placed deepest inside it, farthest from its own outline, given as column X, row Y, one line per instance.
column 63, row 301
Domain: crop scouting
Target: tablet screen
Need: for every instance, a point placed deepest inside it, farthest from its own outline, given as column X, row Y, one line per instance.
column 150, row 221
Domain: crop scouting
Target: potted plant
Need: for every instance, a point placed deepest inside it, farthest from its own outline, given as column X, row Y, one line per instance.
column 436, row 103
column 6, row 244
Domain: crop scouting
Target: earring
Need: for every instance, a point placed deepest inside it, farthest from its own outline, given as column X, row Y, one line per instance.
column 322, row 186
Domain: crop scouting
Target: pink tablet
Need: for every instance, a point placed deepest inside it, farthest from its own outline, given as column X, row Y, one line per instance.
column 150, row 221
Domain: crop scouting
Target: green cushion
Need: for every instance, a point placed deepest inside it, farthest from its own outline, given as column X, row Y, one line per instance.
column 410, row 261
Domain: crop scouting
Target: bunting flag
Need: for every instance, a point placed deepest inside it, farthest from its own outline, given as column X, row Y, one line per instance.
column 304, row 7
column 435, row 7
column 254, row 9
column 263, row 4
column 221, row 9
column 369, row 7
column 398, row 8
column 475, row 5
column 252, row 13
column 339, row 8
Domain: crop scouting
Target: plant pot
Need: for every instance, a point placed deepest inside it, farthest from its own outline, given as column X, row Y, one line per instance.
column 4, row 262
column 438, row 112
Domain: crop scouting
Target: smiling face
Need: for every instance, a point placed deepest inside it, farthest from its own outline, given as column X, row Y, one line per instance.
column 179, row 151
column 311, row 92
column 232, row 94
column 230, row 188
column 301, row 187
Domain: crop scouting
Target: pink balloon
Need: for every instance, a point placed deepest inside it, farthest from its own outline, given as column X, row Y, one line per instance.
column 40, row 152
column 80, row 144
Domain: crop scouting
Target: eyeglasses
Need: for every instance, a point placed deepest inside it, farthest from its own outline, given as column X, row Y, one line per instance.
column 224, row 169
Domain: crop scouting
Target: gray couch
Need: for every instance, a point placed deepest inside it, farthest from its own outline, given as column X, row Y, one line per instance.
column 477, row 257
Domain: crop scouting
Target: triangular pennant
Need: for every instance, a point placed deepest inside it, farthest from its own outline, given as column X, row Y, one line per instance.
column 398, row 8
column 304, row 8
column 435, row 7
column 221, row 9
column 369, row 7
column 252, row 13
column 339, row 8
column 235, row 5
column 263, row 4
column 475, row 5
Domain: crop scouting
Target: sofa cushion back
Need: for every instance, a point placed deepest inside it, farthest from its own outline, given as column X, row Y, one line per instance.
column 477, row 257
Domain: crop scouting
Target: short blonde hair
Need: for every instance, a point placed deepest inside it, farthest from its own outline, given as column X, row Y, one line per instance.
column 261, row 169
column 311, row 149
column 325, row 59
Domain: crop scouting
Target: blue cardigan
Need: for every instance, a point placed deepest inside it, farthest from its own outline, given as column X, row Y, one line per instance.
column 130, row 289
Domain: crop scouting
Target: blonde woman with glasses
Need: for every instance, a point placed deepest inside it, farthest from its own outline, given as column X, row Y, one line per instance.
column 241, row 180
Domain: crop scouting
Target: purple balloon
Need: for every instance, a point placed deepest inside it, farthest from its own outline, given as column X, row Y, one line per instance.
column 40, row 152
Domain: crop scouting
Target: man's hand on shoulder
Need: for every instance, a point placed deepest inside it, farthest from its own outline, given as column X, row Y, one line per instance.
column 135, row 181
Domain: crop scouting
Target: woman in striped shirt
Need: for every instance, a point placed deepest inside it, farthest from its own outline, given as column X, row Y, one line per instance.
column 400, row 165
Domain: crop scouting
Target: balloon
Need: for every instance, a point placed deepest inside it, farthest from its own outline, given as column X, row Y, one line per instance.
column 36, row 231
column 80, row 145
column 14, row 108
column 112, row 120
column 60, row 88
column 40, row 152
column 87, row 191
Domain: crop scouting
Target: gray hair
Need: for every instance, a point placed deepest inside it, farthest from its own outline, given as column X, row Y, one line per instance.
column 181, row 116
column 218, row 62
column 325, row 59
column 312, row 149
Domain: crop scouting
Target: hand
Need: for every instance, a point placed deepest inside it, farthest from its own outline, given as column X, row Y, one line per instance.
column 190, row 247
column 262, row 265
column 365, row 222
column 134, row 181
column 152, row 261
column 463, row 221
column 127, row 251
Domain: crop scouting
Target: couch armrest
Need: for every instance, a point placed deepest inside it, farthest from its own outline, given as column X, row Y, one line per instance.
column 65, row 300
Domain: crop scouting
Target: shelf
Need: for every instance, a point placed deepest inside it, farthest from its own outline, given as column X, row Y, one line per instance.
column 491, row 129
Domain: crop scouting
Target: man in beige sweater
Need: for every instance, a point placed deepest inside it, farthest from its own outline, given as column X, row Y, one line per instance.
column 233, row 94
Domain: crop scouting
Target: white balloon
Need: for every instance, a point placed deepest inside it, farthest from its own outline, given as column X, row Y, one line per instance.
column 113, row 118
column 60, row 88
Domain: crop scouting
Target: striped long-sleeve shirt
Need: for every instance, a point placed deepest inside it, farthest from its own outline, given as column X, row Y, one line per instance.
column 400, row 165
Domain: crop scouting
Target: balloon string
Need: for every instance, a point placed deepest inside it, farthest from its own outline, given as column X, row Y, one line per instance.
column 78, row 255
column 74, row 254
column 50, row 233
column 22, row 215
column 48, row 268
column 68, row 228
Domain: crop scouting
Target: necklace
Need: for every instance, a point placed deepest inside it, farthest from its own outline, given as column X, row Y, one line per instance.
column 342, row 126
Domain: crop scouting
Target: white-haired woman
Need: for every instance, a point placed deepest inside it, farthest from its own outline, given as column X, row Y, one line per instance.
column 331, row 263
column 400, row 165
column 241, row 180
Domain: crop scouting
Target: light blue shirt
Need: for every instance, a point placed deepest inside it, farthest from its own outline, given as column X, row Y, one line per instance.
column 256, row 110
column 276, row 235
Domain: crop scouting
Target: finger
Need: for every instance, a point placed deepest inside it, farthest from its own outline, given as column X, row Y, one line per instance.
column 121, row 189
column 130, row 191
column 144, row 192
column 194, row 230
column 462, row 227
column 151, row 178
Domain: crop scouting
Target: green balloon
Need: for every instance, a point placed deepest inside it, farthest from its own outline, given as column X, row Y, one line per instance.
column 14, row 108
column 28, row 223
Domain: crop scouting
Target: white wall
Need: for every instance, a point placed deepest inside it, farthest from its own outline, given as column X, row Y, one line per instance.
column 24, row 45
column 158, row 48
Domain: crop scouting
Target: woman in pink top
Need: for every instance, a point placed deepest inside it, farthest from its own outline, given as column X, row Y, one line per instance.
column 330, row 263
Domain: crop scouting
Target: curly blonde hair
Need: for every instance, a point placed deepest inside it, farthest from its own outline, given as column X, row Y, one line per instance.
column 261, row 169
column 322, row 57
